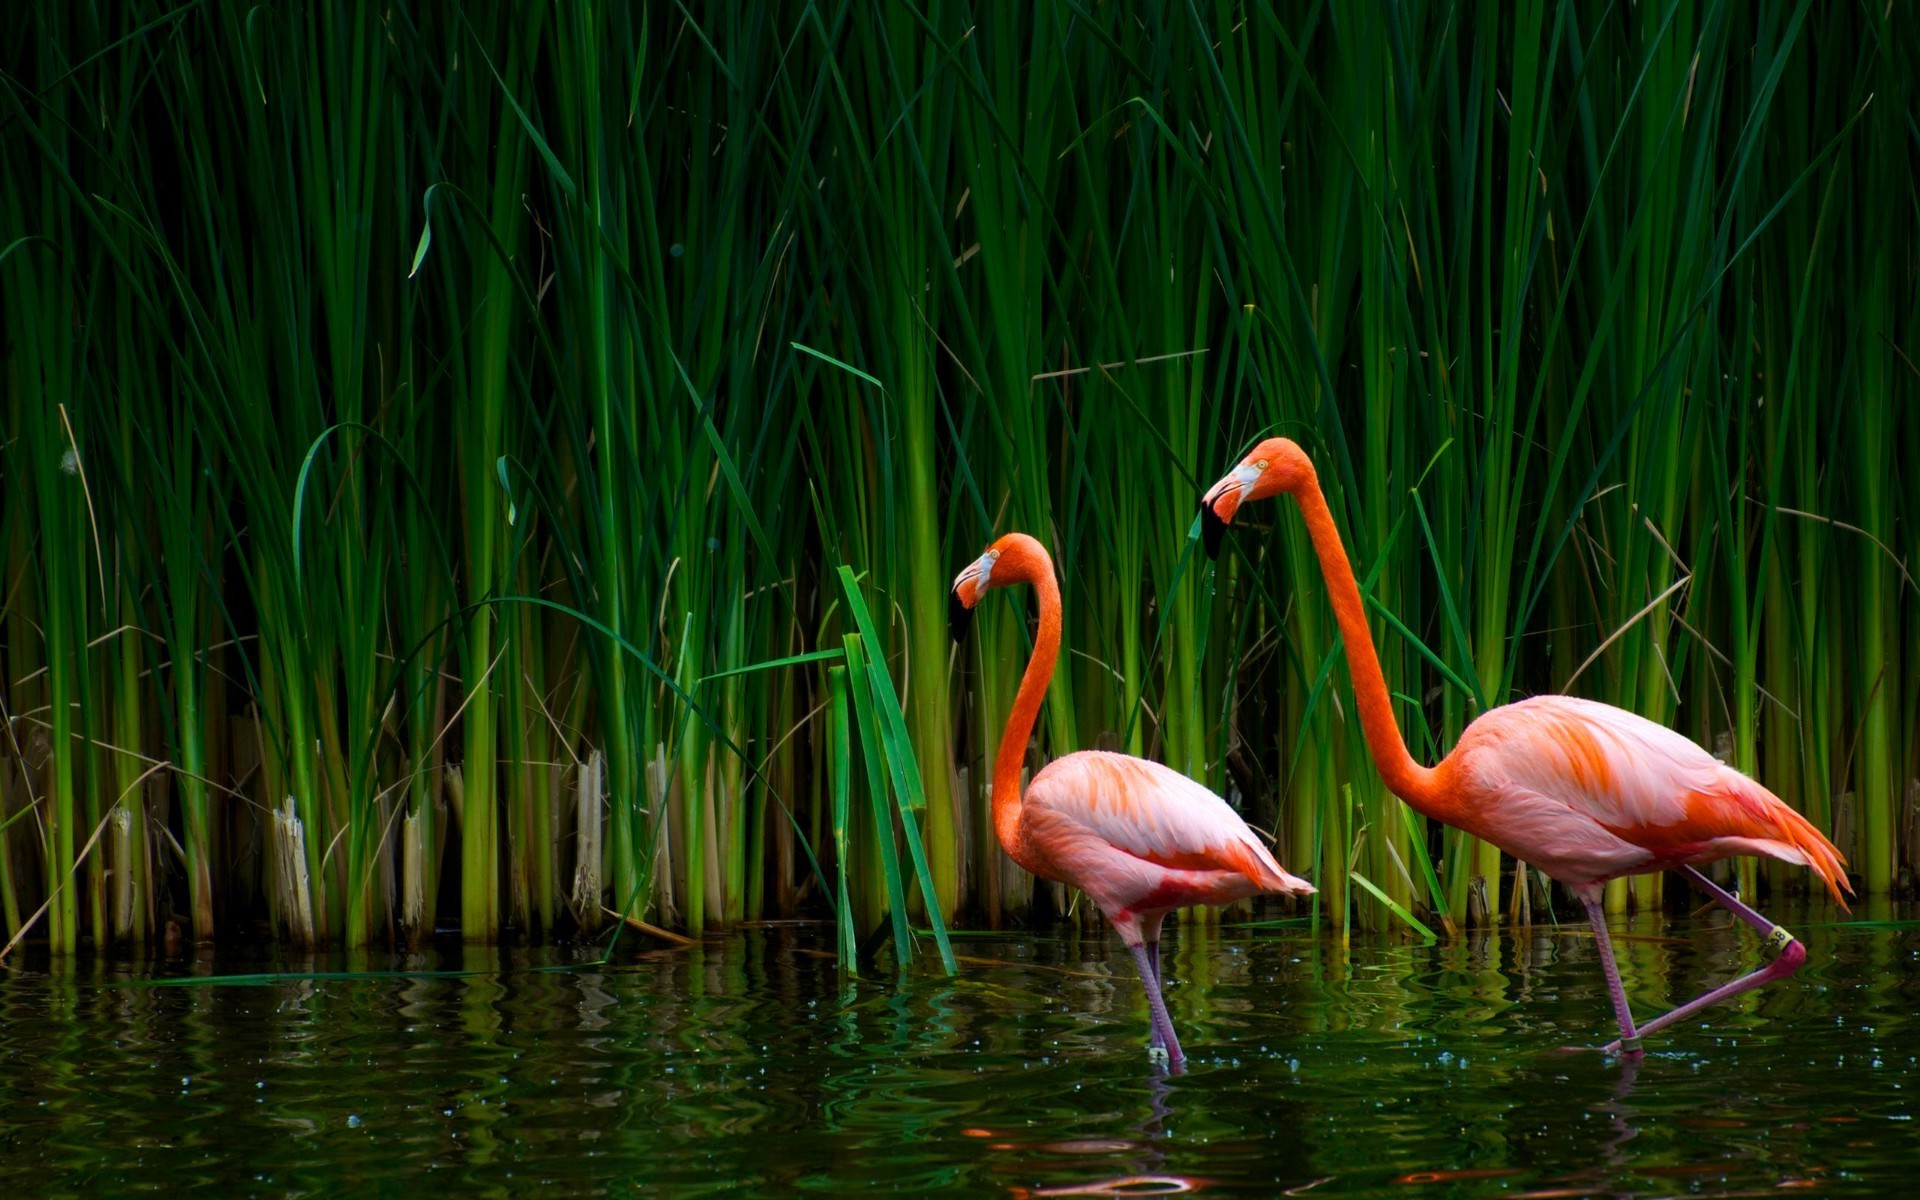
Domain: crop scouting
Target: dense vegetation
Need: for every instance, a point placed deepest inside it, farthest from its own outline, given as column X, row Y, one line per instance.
column 419, row 417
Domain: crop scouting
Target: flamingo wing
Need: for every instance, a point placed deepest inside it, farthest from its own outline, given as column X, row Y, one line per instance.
column 1154, row 814
column 1557, row 762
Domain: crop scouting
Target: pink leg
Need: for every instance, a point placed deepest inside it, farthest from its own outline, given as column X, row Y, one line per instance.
column 1629, row 1042
column 1730, row 902
column 1791, row 953
column 1150, row 929
column 1163, row 1035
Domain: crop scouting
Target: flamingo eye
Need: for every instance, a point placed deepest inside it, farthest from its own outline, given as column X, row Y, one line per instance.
column 1261, row 465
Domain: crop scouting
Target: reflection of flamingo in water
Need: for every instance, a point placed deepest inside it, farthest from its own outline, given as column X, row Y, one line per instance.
column 1619, row 1116
column 1146, row 1180
column 1119, row 1185
column 1586, row 792
column 1138, row 838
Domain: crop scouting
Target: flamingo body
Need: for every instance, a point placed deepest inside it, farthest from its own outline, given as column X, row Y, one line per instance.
column 1588, row 792
column 1140, row 839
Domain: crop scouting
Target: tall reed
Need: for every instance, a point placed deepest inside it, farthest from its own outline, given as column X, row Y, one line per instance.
column 481, row 468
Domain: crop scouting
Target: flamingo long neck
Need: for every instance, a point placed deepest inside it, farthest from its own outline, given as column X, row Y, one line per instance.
column 1419, row 786
column 1026, row 710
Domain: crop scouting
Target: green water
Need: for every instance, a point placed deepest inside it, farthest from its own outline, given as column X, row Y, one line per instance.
column 744, row 1066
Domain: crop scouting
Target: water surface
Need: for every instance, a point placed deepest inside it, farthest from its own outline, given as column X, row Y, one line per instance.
column 746, row 1065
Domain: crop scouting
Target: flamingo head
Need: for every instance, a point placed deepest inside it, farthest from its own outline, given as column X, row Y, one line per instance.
column 1274, row 466
column 1014, row 558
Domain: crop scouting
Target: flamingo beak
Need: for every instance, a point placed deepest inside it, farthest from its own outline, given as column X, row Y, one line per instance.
column 959, row 616
column 1222, row 501
column 968, row 587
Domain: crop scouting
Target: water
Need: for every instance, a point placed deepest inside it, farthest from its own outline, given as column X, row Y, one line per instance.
column 743, row 1066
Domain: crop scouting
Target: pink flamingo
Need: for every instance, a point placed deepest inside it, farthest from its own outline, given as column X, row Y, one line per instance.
column 1138, row 838
column 1584, row 791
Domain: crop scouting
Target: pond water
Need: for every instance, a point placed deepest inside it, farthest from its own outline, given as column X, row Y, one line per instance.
column 744, row 1066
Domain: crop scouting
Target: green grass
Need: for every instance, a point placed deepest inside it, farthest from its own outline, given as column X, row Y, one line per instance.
column 425, row 389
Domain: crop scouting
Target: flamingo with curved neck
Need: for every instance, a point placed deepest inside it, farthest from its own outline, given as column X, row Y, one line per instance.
column 1584, row 791
column 1138, row 838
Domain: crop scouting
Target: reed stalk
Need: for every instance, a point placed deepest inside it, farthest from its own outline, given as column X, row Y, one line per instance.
column 405, row 406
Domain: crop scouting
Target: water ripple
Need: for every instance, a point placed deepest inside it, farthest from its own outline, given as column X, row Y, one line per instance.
column 748, row 1064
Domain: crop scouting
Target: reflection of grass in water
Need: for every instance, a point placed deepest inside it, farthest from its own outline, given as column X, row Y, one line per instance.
column 743, row 1065
column 267, row 978
column 310, row 367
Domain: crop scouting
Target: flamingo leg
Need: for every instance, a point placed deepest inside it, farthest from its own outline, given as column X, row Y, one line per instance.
column 1629, row 1036
column 1791, row 955
column 1776, row 937
column 1150, row 930
column 1163, row 1035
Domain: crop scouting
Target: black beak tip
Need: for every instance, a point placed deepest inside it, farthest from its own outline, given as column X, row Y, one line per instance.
column 1212, row 529
column 959, row 616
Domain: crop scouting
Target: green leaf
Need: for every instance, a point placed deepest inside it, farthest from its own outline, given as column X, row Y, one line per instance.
column 903, row 765
column 874, row 756
column 1411, row 920
column 500, row 470
column 848, row 368
column 841, row 766
column 774, row 664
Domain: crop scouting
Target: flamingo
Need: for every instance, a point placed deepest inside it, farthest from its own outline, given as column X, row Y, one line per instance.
column 1138, row 838
column 1583, row 791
